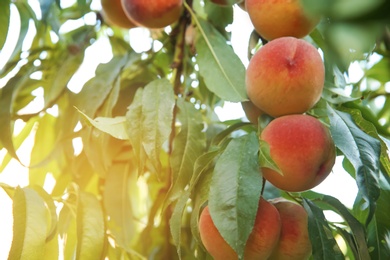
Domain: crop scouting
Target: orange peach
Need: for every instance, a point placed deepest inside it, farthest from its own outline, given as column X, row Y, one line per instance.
column 260, row 244
column 285, row 76
column 153, row 14
column 294, row 242
column 113, row 14
column 302, row 148
column 278, row 18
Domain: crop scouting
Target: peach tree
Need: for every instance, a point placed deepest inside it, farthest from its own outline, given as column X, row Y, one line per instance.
column 123, row 161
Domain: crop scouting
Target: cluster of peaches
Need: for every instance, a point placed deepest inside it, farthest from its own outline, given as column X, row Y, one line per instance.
column 284, row 80
column 150, row 14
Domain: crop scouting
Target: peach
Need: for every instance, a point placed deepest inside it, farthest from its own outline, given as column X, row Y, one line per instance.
column 260, row 244
column 279, row 18
column 302, row 148
column 153, row 14
column 294, row 242
column 252, row 112
column 113, row 14
column 285, row 76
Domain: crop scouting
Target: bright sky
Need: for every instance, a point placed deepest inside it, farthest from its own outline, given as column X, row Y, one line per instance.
column 338, row 184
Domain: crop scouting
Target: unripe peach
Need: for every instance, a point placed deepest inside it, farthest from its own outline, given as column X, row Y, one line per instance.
column 278, row 18
column 260, row 244
column 302, row 148
column 113, row 13
column 294, row 242
column 286, row 76
column 153, row 14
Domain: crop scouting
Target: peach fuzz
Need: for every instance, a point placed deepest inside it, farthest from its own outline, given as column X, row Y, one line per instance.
column 153, row 14
column 279, row 18
column 302, row 148
column 294, row 242
column 285, row 76
column 113, row 13
column 260, row 244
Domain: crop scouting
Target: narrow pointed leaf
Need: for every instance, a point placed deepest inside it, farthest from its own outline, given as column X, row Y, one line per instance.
column 5, row 13
column 116, row 200
column 115, row 127
column 157, row 109
column 188, row 145
column 362, row 150
column 18, row 140
column 175, row 222
column 357, row 229
column 97, row 89
column 134, row 128
column 220, row 67
column 90, row 228
column 149, row 120
column 52, row 222
column 7, row 96
column 235, row 191
column 30, row 225
column 265, row 158
column 324, row 245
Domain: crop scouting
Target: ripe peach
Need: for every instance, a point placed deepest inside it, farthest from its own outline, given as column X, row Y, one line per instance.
column 303, row 149
column 260, row 244
column 252, row 112
column 286, row 76
column 153, row 14
column 113, row 14
column 278, row 18
column 294, row 242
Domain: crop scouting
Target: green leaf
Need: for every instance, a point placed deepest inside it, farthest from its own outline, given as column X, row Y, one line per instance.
column 30, row 225
column 220, row 67
column 134, row 128
column 18, row 140
column 362, row 150
column 218, row 139
column 60, row 74
column 265, row 159
column 7, row 96
column 370, row 128
column 378, row 230
column 5, row 12
column 97, row 89
column 157, row 109
column 380, row 71
column 203, row 163
column 176, row 220
column 187, row 146
column 341, row 9
column 336, row 95
column 235, row 191
column 357, row 229
column 90, row 228
column 219, row 16
column 116, row 201
column 200, row 194
column 49, row 203
column 324, row 245
column 45, row 7
column 25, row 13
column 42, row 155
column 150, row 121
column 67, row 224
column 116, row 127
